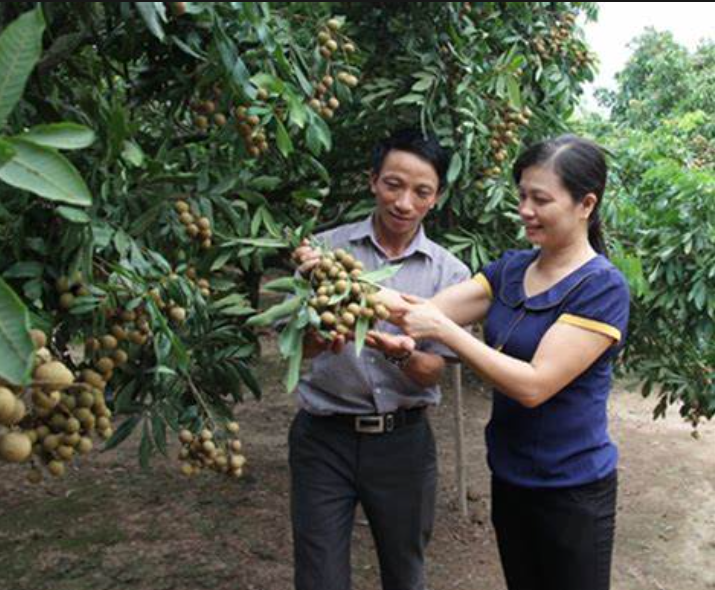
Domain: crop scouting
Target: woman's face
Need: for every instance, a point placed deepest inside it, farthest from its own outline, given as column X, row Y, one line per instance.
column 550, row 215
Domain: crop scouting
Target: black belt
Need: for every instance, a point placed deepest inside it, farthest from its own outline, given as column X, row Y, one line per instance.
column 376, row 423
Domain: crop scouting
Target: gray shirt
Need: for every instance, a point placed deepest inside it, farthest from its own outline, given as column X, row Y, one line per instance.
column 347, row 384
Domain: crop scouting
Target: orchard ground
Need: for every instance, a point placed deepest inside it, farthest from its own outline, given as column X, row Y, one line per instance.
column 110, row 525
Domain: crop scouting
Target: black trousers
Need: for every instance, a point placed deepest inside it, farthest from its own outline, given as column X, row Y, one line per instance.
column 556, row 539
column 394, row 477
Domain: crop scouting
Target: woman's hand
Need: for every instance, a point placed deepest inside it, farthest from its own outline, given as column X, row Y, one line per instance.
column 398, row 304
column 422, row 319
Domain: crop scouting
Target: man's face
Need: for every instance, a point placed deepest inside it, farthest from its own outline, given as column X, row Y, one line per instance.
column 406, row 188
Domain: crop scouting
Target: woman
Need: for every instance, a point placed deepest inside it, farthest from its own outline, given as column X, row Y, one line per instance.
column 555, row 318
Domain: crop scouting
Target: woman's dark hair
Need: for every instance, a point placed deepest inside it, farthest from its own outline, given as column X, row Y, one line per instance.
column 414, row 141
column 581, row 166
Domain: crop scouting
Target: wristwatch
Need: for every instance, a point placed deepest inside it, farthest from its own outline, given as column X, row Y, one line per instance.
column 399, row 360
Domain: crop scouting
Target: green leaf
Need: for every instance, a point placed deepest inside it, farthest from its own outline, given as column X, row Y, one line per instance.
column 269, row 82
column 221, row 261
column 158, row 430
column 133, row 154
column 297, row 113
column 121, row 433
column 514, row 93
column 249, row 379
column 286, row 285
column 233, row 305
column 257, row 242
column 7, row 152
column 410, row 99
column 289, row 338
column 293, row 375
column 145, row 447
column 455, row 168
column 381, row 274
column 285, row 145
column 423, row 84
column 318, row 136
column 46, row 173
column 363, row 324
column 151, row 18
column 24, row 270
column 266, row 183
column 20, row 49
column 275, row 313
column 74, row 215
column 62, row 136
column 16, row 348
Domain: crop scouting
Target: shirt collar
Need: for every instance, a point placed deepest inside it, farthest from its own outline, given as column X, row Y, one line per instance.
column 365, row 229
column 512, row 290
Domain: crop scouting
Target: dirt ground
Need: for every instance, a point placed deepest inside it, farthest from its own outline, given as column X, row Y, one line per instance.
column 110, row 525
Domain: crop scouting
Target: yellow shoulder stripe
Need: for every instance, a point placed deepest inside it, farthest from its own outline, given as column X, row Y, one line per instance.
column 484, row 282
column 592, row 325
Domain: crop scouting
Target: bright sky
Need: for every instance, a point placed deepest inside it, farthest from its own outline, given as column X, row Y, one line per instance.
column 620, row 22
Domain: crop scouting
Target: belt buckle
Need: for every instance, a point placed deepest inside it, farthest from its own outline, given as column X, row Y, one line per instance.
column 375, row 424
column 370, row 424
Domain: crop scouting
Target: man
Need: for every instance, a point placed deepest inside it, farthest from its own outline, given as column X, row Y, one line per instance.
column 362, row 434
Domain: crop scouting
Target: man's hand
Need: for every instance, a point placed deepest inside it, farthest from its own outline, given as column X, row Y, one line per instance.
column 390, row 344
column 314, row 344
column 306, row 258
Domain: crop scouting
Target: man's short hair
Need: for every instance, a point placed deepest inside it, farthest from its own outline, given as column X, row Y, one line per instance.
column 416, row 142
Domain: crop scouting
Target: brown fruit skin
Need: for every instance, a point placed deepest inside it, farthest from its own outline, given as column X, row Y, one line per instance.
column 54, row 373
column 66, row 300
column 382, row 312
column 7, row 405
column 109, row 342
column 15, row 447
column 327, row 318
column 62, row 284
column 38, row 338
column 179, row 8
column 105, row 364
column 56, row 468
column 120, row 357
column 178, row 314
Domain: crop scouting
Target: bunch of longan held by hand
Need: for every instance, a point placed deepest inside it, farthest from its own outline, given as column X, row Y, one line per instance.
column 340, row 297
